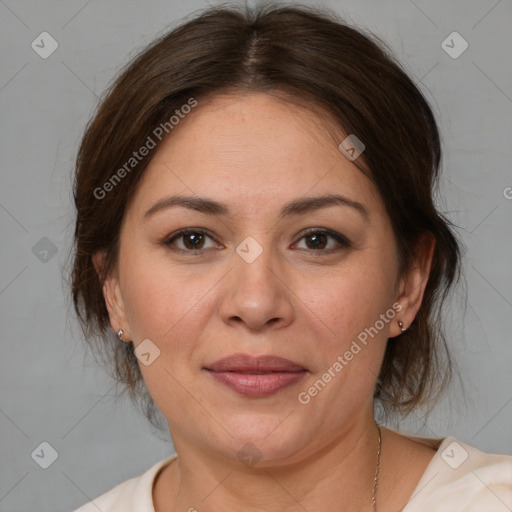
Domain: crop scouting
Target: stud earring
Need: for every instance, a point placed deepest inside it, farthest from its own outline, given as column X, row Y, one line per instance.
column 120, row 333
column 401, row 325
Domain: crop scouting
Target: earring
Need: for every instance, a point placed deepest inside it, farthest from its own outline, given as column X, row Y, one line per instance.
column 120, row 333
column 401, row 325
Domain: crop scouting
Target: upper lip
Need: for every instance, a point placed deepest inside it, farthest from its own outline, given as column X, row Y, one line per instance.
column 248, row 363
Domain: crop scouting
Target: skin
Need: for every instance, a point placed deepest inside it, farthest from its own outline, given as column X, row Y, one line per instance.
column 255, row 153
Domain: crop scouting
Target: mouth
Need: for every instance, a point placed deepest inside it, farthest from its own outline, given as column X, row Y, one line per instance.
column 256, row 377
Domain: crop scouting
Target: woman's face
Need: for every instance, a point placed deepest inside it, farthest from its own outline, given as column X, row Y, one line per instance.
column 257, row 275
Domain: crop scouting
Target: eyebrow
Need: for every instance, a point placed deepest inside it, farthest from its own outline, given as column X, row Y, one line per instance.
column 296, row 207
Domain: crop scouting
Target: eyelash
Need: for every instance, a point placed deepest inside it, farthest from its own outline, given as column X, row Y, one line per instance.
column 341, row 239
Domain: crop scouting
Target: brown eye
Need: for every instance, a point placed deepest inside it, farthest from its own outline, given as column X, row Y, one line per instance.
column 317, row 241
column 190, row 240
column 193, row 240
column 321, row 240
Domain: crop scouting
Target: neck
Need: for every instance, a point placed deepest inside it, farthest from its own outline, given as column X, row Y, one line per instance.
column 341, row 472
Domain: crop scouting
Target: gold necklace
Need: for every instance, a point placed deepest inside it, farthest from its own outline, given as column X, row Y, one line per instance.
column 376, row 477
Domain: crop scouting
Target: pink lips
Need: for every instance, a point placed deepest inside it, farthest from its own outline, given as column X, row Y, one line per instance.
column 256, row 376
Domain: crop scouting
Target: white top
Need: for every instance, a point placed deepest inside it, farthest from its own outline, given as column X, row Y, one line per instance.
column 458, row 478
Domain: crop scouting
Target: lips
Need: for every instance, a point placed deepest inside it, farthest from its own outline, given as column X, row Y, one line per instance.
column 246, row 363
column 256, row 376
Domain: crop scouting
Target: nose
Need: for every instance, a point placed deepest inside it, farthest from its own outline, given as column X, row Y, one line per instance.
column 257, row 294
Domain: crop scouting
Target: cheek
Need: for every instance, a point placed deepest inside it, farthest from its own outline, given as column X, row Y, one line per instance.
column 346, row 368
column 167, row 304
column 171, row 310
column 150, row 292
column 152, row 304
column 350, row 299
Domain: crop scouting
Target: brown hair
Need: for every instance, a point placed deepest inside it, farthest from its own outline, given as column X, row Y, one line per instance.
column 319, row 60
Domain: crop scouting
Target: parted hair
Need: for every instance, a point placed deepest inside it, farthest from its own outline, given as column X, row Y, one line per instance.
column 319, row 60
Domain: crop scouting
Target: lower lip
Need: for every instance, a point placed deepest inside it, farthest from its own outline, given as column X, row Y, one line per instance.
column 258, row 385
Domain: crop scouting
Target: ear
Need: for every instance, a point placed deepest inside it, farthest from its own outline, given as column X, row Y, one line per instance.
column 113, row 297
column 412, row 285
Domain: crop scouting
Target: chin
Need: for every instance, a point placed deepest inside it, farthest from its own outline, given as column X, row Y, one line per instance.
column 272, row 439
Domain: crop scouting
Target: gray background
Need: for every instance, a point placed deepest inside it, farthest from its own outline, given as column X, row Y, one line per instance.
column 51, row 392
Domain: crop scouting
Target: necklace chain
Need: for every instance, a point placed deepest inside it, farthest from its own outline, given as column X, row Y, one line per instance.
column 376, row 477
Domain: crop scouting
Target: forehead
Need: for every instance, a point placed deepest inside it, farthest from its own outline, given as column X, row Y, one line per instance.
column 252, row 151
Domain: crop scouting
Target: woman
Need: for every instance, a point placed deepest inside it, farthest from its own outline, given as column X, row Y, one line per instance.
column 255, row 222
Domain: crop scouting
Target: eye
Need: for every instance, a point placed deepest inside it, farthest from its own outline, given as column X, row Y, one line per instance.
column 190, row 239
column 318, row 240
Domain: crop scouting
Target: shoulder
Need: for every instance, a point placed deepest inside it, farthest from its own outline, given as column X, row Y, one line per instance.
column 461, row 477
column 133, row 495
